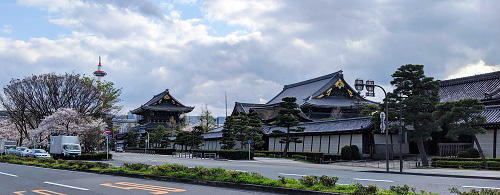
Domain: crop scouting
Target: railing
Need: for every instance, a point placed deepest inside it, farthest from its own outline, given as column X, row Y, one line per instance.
column 452, row 149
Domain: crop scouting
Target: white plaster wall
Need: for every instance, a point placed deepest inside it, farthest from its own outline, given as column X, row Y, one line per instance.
column 334, row 144
column 344, row 140
column 299, row 145
column 315, row 146
column 307, row 144
column 324, row 144
column 380, row 139
column 486, row 141
column 357, row 139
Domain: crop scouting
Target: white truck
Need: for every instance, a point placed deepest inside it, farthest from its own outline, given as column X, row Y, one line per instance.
column 6, row 145
column 65, row 146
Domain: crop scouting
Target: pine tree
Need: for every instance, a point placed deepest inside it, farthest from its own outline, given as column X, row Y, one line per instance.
column 228, row 140
column 463, row 118
column 255, row 131
column 420, row 99
column 288, row 119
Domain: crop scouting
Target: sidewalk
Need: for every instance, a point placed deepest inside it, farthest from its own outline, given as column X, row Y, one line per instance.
column 408, row 168
column 379, row 166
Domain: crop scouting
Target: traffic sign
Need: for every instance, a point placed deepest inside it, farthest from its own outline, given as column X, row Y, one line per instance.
column 142, row 131
column 382, row 122
column 249, row 141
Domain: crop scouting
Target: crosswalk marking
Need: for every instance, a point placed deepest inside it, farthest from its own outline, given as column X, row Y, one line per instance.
column 151, row 188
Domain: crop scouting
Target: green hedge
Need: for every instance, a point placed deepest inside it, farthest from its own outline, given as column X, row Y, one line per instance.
column 163, row 151
column 228, row 154
column 316, row 157
column 463, row 159
column 468, row 153
column 313, row 183
column 478, row 164
column 90, row 156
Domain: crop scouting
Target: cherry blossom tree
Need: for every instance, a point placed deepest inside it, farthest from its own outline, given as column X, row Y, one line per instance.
column 66, row 121
column 8, row 130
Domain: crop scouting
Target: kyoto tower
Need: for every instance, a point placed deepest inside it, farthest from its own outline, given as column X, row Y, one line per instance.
column 99, row 73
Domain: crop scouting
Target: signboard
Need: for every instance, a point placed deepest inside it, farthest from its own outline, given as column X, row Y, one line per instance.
column 382, row 122
column 249, row 141
column 141, row 131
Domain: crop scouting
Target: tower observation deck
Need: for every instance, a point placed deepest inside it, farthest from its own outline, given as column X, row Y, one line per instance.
column 99, row 73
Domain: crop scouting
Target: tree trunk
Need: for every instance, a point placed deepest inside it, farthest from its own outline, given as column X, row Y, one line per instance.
column 287, row 144
column 421, row 150
column 485, row 164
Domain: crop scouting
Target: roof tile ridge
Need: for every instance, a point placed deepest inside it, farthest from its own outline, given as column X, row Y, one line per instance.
column 331, row 75
column 473, row 78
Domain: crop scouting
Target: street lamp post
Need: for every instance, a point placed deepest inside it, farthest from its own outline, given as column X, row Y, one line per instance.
column 370, row 88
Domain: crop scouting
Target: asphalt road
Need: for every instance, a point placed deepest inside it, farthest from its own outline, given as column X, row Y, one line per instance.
column 27, row 180
column 287, row 168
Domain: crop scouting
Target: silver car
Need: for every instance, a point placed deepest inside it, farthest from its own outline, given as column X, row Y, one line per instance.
column 22, row 151
column 39, row 153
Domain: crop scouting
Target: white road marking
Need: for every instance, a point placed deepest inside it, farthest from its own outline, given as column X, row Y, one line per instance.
column 380, row 180
column 241, row 171
column 8, row 174
column 67, row 186
column 292, row 174
column 479, row 187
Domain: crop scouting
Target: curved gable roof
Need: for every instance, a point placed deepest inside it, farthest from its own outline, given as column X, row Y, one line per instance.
column 483, row 87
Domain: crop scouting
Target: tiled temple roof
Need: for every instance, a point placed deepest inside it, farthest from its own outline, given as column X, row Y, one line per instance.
column 163, row 102
column 484, row 87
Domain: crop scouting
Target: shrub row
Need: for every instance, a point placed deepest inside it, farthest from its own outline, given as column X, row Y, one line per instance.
column 315, row 157
column 478, row 164
column 463, row 159
column 323, row 183
column 468, row 153
column 90, row 156
column 228, row 154
column 164, row 151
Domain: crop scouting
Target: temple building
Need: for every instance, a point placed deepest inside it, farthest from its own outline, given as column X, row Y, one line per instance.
column 322, row 98
column 330, row 117
column 162, row 109
column 486, row 88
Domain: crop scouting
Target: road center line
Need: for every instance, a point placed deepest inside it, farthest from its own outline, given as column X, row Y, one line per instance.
column 292, row 174
column 2, row 173
column 67, row 186
column 380, row 180
column 479, row 187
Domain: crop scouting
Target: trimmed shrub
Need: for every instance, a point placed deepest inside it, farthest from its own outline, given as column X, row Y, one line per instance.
column 259, row 155
column 403, row 190
column 469, row 153
column 309, row 180
column 350, row 153
column 136, row 166
column 476, row 192
column 328, row 181
column 362, row 190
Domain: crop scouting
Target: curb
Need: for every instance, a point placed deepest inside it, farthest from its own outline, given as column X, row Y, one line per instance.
column 438, row 175
column 220, row 184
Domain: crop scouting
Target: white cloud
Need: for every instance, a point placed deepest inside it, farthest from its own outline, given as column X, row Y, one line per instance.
column 474, row 69
column 147, row 46
column 7, row 29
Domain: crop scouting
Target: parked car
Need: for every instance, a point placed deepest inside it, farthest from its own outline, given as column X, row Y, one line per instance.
column 119, row 149
column 39, row 153
column 11, row 150
column 22, row 151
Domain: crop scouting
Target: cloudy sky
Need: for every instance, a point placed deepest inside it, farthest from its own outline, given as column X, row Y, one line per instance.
column 199, row 49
